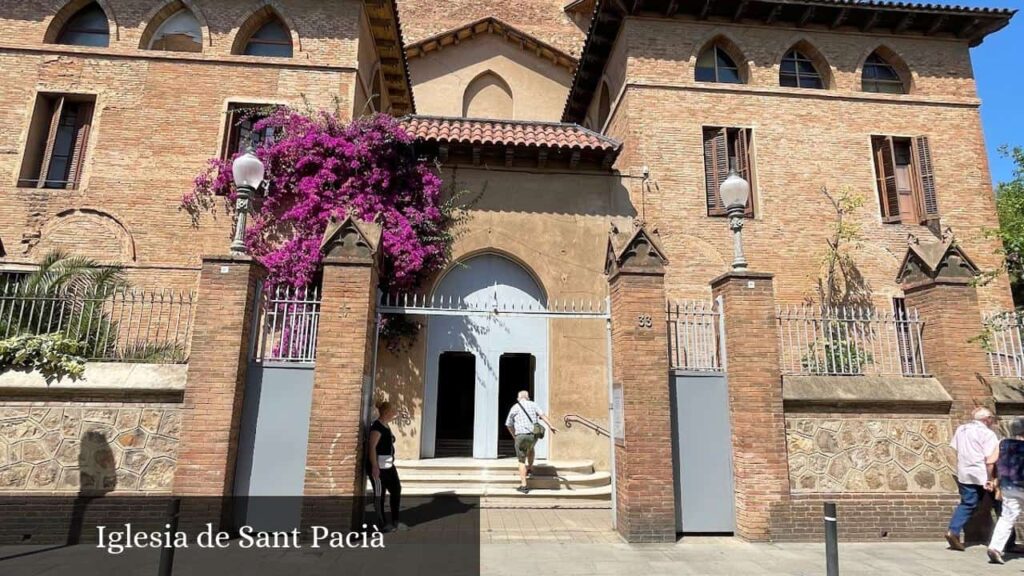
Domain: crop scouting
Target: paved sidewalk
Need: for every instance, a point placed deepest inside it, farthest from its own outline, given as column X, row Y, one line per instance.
column 731, row 557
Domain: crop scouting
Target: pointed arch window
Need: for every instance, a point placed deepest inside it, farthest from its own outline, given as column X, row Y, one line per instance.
column 88, row 27
column 271, row 39
column 715, row 65
column 178, row 33
column 798, row 71
column 880, row 76
column 487, row 96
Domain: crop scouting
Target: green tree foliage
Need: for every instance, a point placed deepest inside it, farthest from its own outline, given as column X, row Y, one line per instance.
column 1010, row 207
column 53, row 355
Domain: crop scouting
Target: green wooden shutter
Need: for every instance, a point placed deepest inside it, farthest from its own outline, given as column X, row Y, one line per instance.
column 926, row 178
column 716, row 167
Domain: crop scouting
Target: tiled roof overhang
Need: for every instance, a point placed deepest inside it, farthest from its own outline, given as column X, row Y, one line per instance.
column 387, row 36
column 491, row 25
column 922, row 20
column 514, row 140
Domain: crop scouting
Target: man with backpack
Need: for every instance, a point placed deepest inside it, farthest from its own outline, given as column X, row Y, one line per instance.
column 523, row 424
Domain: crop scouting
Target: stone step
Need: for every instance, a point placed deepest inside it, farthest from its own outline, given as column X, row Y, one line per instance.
column 505, row 478
column 474, row 467
column 538, row 495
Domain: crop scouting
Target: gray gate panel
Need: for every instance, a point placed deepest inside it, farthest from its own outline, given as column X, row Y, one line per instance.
column 272, row 444
column 702, row 449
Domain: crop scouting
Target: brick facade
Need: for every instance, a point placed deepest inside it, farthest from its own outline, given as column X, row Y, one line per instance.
column 216, row 374
column 953, row 355
column 159, row 117
column 645, row 505
column 755, row 399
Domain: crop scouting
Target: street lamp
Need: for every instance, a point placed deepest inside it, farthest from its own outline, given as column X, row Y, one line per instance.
column 248, row 172
column 735, row 193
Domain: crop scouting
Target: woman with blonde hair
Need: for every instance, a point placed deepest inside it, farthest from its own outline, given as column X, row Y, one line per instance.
column 383, row 474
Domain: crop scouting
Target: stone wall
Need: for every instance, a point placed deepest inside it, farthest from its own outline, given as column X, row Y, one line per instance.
column 85, row 447
column 114, row 431
column 869, row 454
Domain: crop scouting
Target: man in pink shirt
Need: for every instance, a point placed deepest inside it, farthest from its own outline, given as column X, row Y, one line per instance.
column 977, row 449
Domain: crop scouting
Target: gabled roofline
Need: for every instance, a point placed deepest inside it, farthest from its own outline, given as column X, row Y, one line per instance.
column 386, row 28
column 492, row 25
column 916, row 20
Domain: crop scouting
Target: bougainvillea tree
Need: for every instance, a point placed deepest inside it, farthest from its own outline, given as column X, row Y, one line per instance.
column 320, row 166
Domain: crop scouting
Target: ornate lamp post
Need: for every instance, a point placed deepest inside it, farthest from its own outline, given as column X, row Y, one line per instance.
column 735, row 193
column 248, row 172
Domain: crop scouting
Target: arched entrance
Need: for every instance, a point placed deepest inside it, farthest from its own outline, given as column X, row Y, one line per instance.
column 489, row 357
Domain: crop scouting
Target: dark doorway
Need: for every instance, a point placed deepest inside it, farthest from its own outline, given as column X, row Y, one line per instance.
column 515, row 373
column 456, row 387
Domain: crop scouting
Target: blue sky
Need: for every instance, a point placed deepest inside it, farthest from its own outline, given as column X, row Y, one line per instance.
column 1000, row 76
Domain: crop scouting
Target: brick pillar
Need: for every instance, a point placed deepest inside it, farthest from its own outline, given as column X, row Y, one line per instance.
column 644, row 480
column 216, row 378
column 344, row 360
column 937, row 281
column 755, row 399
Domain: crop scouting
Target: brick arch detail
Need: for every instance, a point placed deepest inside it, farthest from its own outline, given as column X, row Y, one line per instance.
column 248, row 24
column 894, row 58
column 821, row 62
column 119, row 233
column 156, row 17
column 72, row 7
column 731, row 46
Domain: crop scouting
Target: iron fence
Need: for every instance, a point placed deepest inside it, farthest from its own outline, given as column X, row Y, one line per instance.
column 287, row 323
column 849, row 341
column 123, row 325
column 1003, row 342
column 694, row 335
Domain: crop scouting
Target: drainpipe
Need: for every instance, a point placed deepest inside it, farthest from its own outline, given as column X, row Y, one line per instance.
column 611, row 403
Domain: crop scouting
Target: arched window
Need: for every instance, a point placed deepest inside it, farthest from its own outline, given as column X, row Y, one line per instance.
column 271, row 39
column 880, row 76
column 604, row 106
column 487, row 96
column 180, row 32
column 715, row 65
column 88, row 27
column 799, row 71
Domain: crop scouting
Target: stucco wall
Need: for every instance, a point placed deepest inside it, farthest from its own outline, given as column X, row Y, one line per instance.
column 556, row 226
column 544, row 19
column 440, row 78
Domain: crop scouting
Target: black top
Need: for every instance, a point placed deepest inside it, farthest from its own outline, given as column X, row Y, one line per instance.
column 386, row 444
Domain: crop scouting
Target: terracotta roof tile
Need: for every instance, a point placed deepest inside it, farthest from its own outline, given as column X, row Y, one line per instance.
column 508, row 133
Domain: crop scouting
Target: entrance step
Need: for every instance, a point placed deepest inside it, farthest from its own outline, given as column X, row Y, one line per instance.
column 554, row 484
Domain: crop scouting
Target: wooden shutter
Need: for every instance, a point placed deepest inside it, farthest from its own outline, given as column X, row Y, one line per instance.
column 230, row 134
column 51, row 138
column 885, row 175
column 925, row 177
column 716, row 167
column 82, row 128
column 745, row 165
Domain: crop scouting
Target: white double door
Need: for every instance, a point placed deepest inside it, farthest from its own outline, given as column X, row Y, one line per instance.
column 482, row 282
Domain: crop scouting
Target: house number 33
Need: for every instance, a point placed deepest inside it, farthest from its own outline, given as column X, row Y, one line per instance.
column 644, row 321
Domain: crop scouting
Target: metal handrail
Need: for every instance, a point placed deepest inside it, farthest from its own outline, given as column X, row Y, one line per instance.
column 600, row 430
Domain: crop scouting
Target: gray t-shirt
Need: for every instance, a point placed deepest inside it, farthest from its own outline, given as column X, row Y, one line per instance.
column 520, row 421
